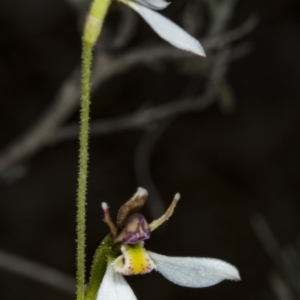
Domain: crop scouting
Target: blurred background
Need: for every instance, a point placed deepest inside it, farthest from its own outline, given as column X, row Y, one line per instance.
column 223, row 131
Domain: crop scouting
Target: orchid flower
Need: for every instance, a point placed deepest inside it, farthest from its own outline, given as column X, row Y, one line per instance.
column 166, row 29
column 129, row 235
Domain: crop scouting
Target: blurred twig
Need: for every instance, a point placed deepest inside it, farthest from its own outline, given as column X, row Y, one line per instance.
column 144, row 117
column 193, row 17
column 127, row 27
column 285, row 281
column 48, row 126
column 148, row 141
column 221, row 12
column 37, row 272
column 139, row 119
column 41, row 132
column 142, row 165
column 267, row 239
column 144, row 150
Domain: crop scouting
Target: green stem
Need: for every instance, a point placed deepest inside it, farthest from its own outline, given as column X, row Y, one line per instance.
column 83, row 163
column 99, row 266
column 91, row 33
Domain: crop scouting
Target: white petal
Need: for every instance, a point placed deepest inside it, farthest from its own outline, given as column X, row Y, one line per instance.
column 194, row 272
column 154, row 4
column 168, row 30
column 114, row 287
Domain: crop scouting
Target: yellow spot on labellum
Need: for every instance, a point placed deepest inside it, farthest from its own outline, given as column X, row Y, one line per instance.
column 135, row 260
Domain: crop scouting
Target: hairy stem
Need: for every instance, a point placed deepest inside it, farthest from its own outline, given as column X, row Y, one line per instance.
column 83, row 163
column 91, row 33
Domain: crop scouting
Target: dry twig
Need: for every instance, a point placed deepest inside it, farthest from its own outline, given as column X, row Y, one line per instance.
column 48, row 126
column 37, row 272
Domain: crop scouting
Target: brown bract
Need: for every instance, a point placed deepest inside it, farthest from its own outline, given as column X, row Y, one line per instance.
column 131, row 206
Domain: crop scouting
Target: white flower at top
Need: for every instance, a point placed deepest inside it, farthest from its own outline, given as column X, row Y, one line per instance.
column 129, row 235
column 165, row 28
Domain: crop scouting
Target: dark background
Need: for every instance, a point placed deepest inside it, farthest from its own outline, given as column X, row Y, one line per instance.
column 227, row 167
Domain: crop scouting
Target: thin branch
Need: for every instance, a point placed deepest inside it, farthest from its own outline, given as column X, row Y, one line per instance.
column 142, row 165
column 47, row 128
column 37, row 272
column 267, row 239
column 193, row 17
column 141, row 119
column 221, row 40
column 41, row 132
column 127, row 28
column 107, row 66
column 144, row 149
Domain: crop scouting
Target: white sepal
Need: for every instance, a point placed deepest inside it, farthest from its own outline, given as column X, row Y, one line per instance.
column 154, row 4
column 114, row 287
column 194, row 272
column 168, row 30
